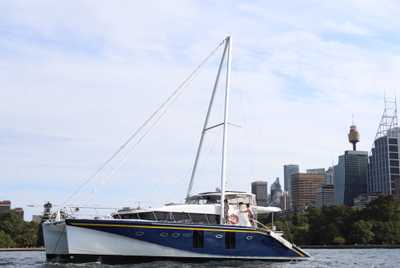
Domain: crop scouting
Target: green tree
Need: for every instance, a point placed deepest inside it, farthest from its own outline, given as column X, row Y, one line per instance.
column 384, row 208
column 21, row 233
column 361, row 232
column 5, row 240
column 11, row 224
column 339, row 240
column 386, row 232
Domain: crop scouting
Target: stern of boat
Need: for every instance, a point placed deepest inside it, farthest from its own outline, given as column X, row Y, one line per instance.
column 300, row 254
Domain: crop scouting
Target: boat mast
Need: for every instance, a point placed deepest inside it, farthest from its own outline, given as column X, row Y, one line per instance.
column 225, row 135
column 205, row 125
column 226, row 55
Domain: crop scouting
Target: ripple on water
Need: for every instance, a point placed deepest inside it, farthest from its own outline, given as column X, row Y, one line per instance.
column 321, row 258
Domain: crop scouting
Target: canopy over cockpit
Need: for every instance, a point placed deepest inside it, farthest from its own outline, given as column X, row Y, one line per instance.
column 233, row 197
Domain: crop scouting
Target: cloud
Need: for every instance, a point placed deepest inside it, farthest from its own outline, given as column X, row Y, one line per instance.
column 348, row 28
column 77, row 78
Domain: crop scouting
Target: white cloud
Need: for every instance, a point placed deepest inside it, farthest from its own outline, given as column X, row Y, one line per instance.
column 348, row 28
column 92, row 71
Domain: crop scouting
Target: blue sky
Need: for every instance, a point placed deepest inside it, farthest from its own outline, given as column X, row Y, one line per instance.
column 77, row 77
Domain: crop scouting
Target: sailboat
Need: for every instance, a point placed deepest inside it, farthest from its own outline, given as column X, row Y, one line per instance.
column 219, row 225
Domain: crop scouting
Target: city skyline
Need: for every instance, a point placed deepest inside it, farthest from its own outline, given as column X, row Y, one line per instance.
column 73, row 90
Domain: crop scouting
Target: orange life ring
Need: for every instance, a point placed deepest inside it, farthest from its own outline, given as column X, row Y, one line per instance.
column 233, row 219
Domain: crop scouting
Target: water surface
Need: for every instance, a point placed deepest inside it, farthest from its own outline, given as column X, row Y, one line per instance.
column 321, row 258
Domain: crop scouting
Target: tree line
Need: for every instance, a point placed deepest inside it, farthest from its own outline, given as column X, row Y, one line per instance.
column 378, row 223
column 15, row 232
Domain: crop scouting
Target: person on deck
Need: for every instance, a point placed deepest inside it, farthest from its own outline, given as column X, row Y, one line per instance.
column 250, row 214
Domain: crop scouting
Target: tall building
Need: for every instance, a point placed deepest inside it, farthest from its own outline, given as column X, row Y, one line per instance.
column 351, row 175
column 285, row 201
column 384, row 164
column 320, row 171
column 363, row 200
column 339, row 180
column 329, row 175
column 5, row 206
column 305, row 188
column 276, row 193
column 351, row 172
column 288, row 171
column 19, row 212
column 356, row 174
column 260, row 189
column 326, row 196
column 383, row 168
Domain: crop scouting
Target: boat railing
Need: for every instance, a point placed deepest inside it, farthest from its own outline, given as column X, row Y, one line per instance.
column 262, row 227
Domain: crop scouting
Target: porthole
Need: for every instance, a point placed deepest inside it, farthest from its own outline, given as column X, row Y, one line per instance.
column 176, row 235
column 163, row 234
column 187, row 235
column 139, row 233
column 249, row 237
column 219, row 236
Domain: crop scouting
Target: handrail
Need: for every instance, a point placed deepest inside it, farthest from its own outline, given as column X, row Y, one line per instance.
column 263, row 226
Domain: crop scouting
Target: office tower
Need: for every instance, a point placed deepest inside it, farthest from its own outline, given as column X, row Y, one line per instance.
column 350, row 176
column 305, row 188
column 356, row 174
column 260, row 189
column 320, row 171
column 329, row 175
column 383, row 168
column 276, row 193
column 285, row 201
column 5, row 206
column 288, row 171
column 339, row 181
column 326, row 196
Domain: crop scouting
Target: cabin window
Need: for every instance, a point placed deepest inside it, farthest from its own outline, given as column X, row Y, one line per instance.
column 187, row 235
column 198, row 239
column 230, row 240
column 176, row 235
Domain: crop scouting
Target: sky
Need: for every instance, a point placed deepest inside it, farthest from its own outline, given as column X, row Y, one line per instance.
column 77, row 77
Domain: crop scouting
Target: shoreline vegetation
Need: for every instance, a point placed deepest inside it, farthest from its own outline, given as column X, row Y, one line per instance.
column 376, row 226
column 17, row 233
column 22, row 249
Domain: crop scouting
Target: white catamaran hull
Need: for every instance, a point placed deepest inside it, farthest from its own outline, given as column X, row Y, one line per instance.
column 124, row 243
